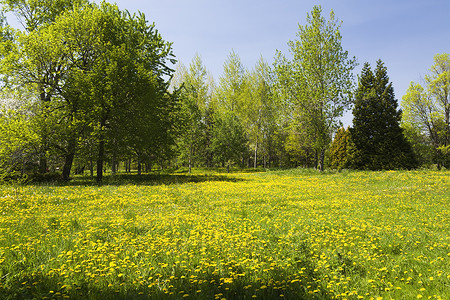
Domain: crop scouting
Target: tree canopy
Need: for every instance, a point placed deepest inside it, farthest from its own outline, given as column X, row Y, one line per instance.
column 317, row 82
column 93, row 86
column 376, row 133
column 99, row 75
column 427, row 109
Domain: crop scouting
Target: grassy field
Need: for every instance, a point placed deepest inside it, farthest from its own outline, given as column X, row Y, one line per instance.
column 293, row 234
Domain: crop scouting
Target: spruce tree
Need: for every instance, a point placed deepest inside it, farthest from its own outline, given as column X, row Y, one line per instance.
column 341, row 149
column 376, row 133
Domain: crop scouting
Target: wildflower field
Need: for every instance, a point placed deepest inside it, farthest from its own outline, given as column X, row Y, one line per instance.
column 294, row 234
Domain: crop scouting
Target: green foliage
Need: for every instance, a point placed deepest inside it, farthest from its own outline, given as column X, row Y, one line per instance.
column 17, row 144
column 36, row 13
column 192, row 140
column 317, row 82
column 231, row 83
column 260, row 111
column 428, row 109
column 97, row 80
column 98, row 73
column 422, row 147
column 299, row 154
column 229, row 142
column 341, row 150
column 376, row 133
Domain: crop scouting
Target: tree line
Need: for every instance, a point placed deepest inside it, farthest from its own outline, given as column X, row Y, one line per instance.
column 88, row 86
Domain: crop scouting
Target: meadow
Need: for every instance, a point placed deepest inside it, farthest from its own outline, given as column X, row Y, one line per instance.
column 294, row 234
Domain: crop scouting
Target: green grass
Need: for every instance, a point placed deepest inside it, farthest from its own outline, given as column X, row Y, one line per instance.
column 294, row 234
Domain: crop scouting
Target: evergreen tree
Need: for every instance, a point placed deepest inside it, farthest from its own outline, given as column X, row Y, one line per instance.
column 341, row 149
column 376, row 133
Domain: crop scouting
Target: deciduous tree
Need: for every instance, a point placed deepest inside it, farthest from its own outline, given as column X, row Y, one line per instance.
column 427, row 108
column 194, row 99
column 229, row 142
column 318, row 80
column 99, row 72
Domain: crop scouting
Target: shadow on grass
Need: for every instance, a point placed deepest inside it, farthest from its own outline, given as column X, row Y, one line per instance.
column 166, row 179
column 144, row 179
column 42, row 287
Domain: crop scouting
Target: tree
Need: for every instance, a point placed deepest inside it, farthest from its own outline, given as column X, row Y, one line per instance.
column 194, row 99
column 99, row 72
column 34, row 15
column 124, row 83
column 299, row 153
column 229, row 92
column 6, row 37
column 376, row 133
column 18, row 142
column 420, row 143
column 258, row 110
column 318, row 81
column 341, row 149
column 229, row 142
column 229, row 116
column 428, row 108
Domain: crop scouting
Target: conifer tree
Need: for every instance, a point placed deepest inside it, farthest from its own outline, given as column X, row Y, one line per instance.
column 376, row 133
column 341, row 149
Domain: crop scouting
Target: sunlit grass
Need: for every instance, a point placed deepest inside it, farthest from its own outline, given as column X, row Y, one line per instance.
column 287, row 234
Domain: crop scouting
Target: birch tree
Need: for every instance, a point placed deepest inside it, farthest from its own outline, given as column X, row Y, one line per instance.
column 194, row 96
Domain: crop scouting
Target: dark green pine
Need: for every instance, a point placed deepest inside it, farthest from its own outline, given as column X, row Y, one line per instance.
column 376, row 133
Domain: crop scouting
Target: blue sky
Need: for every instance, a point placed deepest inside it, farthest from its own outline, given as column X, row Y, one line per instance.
column 405, row 34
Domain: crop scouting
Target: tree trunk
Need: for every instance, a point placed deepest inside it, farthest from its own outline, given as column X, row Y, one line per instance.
column 190, row 165
column 114, row 163
column 316, row 159
column 101, row 152
column 42, row 162
column 321, row 162
column 190, row 160
column 256, row 155
column 69, row 159
column 139, row 166
column 68, row 165
column 91, row 167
